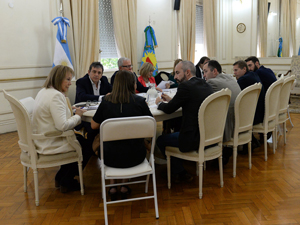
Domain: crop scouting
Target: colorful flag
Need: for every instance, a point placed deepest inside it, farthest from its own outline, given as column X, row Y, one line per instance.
column 279, row 53
column 149, row 53
column 61, row 52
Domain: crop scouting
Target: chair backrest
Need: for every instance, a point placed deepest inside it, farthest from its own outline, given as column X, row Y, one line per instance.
column 22, row 110
column 245, row 107
column 272, row 101
column 285, row 93
column 212, row 117
column 162, row 75
column 127, row 128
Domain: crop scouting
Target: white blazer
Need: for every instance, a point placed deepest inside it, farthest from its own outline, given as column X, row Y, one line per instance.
column 51, row 113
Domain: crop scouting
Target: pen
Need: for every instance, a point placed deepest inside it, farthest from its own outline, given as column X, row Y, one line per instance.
column 82, row 107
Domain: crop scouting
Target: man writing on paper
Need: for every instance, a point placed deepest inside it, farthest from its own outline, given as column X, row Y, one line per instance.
column 190, row 94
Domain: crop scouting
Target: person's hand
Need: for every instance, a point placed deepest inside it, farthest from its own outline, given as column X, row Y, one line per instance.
column 168, row 85
column 158, row 89
column 79, row 111
column 165, row 97
column 108, row 93
column 158, row 100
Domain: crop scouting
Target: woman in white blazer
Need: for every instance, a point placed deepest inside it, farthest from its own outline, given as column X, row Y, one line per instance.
column 51, row 113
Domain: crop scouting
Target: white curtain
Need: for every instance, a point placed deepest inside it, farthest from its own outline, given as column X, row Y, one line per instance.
column 285, row 27
column 209, row 21
column 125, row 27
column 186, row 21
column 84, row 35
column 293, row 14
column 262, row 27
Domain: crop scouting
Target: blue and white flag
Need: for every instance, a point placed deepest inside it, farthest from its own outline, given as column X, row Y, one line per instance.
column 61, row 52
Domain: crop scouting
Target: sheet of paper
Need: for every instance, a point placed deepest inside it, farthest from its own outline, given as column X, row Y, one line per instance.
column 162, row 84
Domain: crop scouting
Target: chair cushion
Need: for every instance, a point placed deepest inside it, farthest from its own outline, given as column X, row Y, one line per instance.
column 282, row 117
column 260, row 128
column 243, row 138
column 144, row 167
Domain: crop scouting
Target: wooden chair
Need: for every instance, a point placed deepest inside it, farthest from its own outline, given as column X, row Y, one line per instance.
column 244, row 111
column 29, row 157
column 271, row 113
column 122, row 129
column 211, row 118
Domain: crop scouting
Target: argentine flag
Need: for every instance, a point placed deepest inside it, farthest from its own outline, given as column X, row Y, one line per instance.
column 61, row 52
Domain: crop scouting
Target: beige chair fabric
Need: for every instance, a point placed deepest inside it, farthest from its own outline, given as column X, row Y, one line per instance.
column 244, row 111
column 284, row 103
column 118, row 129
column 29, row 157
column 211, row 118
column 271, row 112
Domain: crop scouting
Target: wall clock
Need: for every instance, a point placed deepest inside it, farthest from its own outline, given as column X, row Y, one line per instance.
column 241, row 27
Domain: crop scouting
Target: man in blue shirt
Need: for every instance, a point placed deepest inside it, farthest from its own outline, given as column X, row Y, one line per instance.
column 266, row 75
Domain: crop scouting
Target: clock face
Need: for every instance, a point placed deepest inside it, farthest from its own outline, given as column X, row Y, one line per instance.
column 241, row 27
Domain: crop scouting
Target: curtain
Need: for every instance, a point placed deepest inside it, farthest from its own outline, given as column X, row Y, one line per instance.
column 285, row 27
column 125, row 26
column 186, row 21
column 209, row 21
column 262, row 27
column 84, row 35
column 293, row 14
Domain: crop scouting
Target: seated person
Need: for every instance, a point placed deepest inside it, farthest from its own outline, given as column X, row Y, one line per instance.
column 146, row 78
column 51, row 113
column 92, row 85
column 125, row 64
column 122, row 102
column 172, row 75
column 199, row 66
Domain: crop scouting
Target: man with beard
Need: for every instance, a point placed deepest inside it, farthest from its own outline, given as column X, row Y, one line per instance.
column 266, row 75
column 190, row 94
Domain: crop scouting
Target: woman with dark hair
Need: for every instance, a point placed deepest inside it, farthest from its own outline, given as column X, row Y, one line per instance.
column 199, row 66
column 122, row 102
column 51, row 113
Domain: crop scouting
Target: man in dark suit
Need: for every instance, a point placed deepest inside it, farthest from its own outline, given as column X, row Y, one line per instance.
column 199, row 66
column 93, row 85
column 190, row 94
column 246, row 78
column 266, row 75
column 125, row 64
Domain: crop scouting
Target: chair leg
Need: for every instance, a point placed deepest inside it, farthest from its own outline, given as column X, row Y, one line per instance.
column 169, row 171
column 104, row 200
column 80, row 177
column 155, row 193
column 284, row 131
column 249, row 154
column 274, row 140
column 265, row 147
column 147, row 184
column 25, row 178
column 200, row 179
column 234, row 160
column 288, row 111
column 36, row 186
column 221, row 171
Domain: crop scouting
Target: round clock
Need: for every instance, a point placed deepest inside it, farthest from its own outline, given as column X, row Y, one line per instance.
column 241, row 27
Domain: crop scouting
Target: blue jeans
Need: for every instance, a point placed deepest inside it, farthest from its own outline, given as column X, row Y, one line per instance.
column 171, row 140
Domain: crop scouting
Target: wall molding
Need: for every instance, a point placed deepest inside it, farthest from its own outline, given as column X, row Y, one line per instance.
column 24, row 67
column 22, row 79
column 19, row 89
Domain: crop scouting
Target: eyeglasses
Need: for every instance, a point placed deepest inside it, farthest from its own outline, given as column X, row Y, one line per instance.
column 128, row 66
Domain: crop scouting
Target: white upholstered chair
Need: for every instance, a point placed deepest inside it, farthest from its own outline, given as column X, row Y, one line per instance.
column 244, row 111
column 29, row 157
column 284, row 103
column 211, row 118
column 271, row 113
column 122, row 129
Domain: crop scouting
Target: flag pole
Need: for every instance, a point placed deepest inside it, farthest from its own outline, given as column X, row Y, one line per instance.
column 61, row 11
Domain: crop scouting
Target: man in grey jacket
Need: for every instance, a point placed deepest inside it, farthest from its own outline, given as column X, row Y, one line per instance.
column 214, row 77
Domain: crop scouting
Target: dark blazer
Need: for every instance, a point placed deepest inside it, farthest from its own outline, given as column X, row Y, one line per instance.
column 190, row 94
column 247, row 80
column 84, row 89
column 266, row 76
column 139, row 86
column 198, row 72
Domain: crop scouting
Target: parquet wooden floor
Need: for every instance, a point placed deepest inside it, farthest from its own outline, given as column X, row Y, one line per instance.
column 267, row 194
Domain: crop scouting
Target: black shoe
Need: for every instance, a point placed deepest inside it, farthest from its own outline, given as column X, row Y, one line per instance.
column 72, row 185
column 114, row 195
column 124, row 195
column 182, row 177
column 57, row 184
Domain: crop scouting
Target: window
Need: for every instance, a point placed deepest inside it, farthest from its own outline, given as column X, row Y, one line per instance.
column 199, row 48
column 109, row 55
